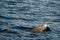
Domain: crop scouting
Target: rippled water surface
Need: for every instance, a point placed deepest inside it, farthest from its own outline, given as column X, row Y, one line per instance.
column 21, row 15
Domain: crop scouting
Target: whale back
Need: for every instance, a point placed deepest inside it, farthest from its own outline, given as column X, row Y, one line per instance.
column 41, row 28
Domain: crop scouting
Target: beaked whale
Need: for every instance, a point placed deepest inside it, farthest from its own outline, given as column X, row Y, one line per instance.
column 42, row 28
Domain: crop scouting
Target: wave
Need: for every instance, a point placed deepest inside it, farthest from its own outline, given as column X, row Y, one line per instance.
column 12, row 18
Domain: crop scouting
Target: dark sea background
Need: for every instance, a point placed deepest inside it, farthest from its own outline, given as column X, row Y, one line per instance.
column 19, row 16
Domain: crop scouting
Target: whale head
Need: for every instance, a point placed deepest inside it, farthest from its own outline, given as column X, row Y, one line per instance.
column 42, row 28
column 45, row 25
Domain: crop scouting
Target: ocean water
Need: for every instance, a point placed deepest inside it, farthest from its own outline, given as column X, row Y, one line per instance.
column 19, row 16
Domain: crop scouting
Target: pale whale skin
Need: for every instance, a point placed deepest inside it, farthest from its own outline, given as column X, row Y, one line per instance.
column 42, row 28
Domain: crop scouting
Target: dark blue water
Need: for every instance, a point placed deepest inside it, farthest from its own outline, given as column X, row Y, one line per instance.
column 17, row 14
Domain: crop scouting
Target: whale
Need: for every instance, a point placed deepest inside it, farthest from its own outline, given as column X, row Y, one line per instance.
column 41, row 28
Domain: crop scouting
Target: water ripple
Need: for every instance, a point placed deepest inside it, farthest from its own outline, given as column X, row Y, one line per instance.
column 22, row 15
